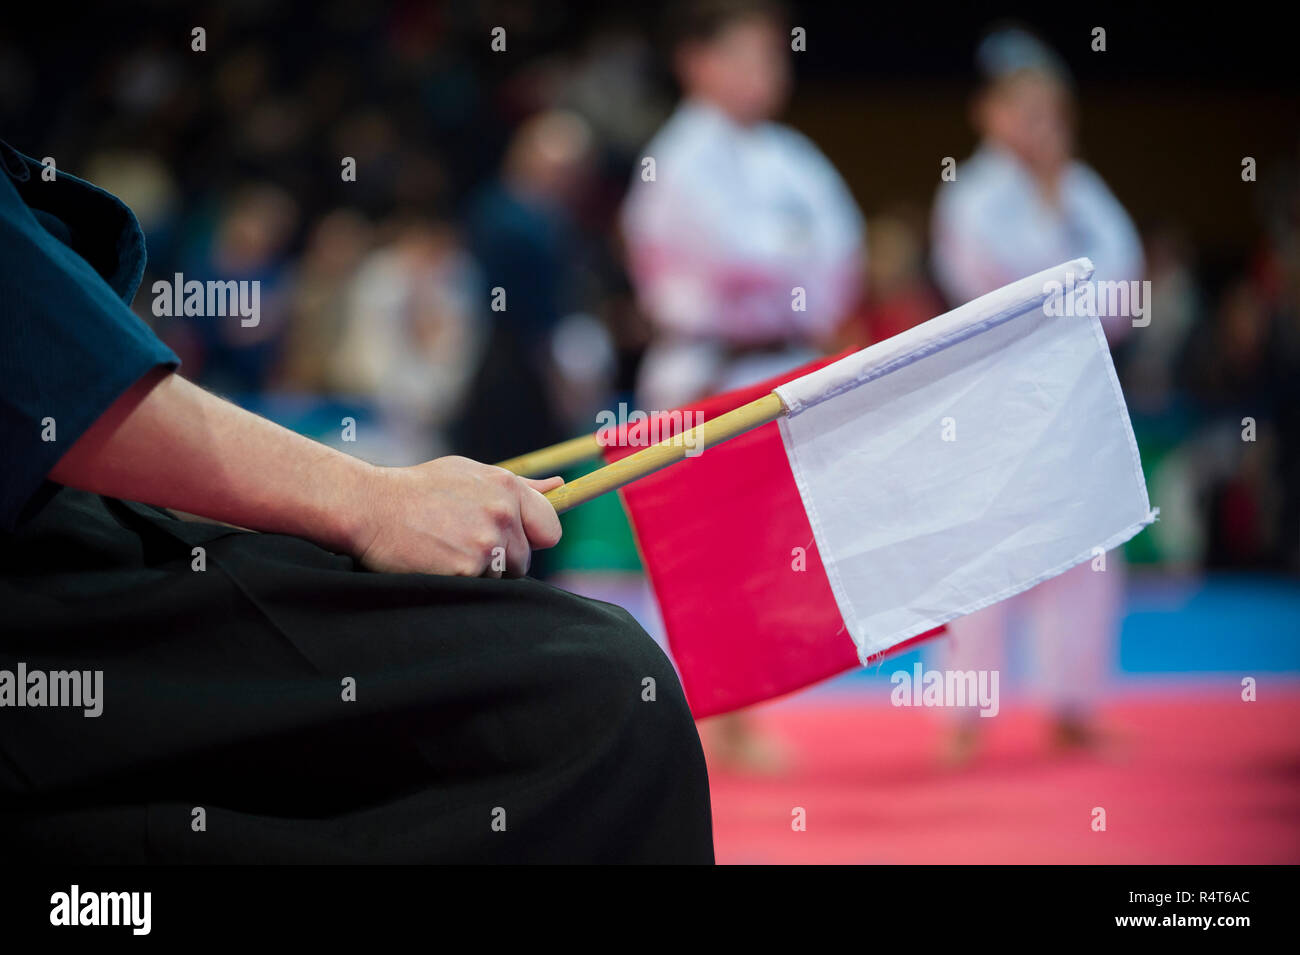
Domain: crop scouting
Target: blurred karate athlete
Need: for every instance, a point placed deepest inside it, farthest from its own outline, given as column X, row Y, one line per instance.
column 1019, row 204
column 741, row 212
column 744, row 244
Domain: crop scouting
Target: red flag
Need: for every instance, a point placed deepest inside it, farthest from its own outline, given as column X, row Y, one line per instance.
column 730, row 554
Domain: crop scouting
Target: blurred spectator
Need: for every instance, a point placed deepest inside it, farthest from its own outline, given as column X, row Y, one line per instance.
column 1238, row 370
column 612, row 86
column 522, row 232
column 319, row 304
column 1279, row 271
column 248, row 242
column 1152, row 359
column 413, row 334
column 1231, row 367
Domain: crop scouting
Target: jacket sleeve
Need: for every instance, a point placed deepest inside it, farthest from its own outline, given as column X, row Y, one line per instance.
column 70, row 347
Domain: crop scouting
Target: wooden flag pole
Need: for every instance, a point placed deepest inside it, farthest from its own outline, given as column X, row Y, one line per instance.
column 651, row 459
column 547, row 461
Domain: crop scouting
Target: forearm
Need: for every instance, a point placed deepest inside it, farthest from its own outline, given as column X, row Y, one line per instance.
column 169, row 443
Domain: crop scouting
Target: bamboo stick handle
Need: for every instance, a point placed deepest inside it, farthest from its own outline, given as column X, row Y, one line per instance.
column 547, row 461
column 651, row 459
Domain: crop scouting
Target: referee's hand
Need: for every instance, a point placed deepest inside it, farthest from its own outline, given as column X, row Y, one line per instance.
column 456, row 517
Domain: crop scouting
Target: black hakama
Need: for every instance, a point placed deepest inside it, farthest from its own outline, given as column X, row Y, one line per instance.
column 491, row 720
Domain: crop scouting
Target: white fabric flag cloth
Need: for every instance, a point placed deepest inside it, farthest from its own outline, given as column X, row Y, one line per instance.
column 965, row 460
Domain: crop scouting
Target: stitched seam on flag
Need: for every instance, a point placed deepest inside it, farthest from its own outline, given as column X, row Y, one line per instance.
column 886, row 642
column 955, row 337
column 795, row 405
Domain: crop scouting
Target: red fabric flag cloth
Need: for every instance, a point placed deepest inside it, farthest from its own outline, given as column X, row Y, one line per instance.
column 730, row 554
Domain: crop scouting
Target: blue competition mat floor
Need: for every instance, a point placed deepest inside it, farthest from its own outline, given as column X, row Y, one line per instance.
column 1224, row 623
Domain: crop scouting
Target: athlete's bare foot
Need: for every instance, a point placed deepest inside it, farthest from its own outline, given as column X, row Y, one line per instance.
column 960, row 747
column 736, row 746
column 1075, row 734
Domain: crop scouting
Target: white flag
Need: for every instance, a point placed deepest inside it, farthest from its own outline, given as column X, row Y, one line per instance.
column 966, row 460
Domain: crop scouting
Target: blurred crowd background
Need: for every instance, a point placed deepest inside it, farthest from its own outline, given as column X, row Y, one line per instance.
column 479, row 169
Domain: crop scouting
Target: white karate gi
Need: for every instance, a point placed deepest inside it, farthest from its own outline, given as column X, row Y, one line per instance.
column 735, row 219
column 990, row 227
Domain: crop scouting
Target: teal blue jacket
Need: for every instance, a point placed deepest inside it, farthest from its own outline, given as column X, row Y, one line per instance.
column 71, row 259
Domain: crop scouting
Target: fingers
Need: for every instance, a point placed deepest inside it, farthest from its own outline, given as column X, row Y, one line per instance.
column 506, row 518
column 518, row 552
column 458, row 517
column 531, row 523
column 543, row 484
column 541, row 523
column 510, row 553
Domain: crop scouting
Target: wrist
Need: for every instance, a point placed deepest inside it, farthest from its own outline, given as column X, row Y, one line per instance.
column 348, row 510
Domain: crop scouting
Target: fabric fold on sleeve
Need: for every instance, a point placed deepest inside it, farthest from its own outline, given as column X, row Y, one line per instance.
column 71, row 344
